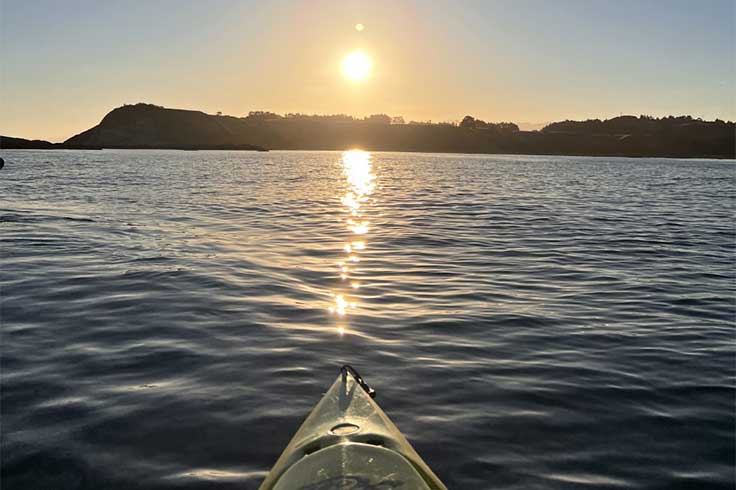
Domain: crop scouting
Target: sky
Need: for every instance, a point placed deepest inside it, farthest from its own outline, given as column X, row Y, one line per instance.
column 65, row 64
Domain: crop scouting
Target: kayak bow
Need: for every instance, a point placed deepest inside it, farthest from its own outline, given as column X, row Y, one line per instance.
column 347, row 442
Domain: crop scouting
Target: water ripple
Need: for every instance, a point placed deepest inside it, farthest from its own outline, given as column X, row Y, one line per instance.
column 529, row 322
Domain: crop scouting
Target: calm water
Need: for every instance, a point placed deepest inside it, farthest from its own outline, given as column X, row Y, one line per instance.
column 169, row 318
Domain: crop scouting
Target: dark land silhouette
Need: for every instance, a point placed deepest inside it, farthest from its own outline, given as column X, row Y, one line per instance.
column 10, row 143
column 147, row 126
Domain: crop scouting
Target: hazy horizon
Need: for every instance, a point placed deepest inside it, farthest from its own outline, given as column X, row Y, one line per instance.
column 67, row 64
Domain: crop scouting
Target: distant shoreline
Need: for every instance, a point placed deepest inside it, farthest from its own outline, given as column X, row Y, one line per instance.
column 147, row 126
column 58, row 147
column 10, row 143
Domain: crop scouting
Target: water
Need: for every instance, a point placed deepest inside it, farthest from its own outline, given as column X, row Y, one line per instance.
column 169, row 318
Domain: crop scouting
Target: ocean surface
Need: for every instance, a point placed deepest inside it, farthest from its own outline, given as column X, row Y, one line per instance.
column 529, row 322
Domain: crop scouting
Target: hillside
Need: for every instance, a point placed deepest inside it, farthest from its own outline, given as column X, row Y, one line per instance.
column 150, row 126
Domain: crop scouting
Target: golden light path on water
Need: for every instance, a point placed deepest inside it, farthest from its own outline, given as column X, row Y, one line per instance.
column 358, row 171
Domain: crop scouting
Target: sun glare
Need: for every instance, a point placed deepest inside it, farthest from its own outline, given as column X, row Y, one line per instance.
column 356, row 66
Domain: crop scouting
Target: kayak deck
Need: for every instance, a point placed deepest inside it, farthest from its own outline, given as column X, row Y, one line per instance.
column 348, row 442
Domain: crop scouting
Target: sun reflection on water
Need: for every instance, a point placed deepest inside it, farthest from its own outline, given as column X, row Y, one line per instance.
column 361, row 184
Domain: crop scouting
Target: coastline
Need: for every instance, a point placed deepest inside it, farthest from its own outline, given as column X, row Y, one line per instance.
column 479, row 154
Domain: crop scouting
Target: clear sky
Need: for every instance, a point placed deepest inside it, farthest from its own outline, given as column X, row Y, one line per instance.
column 65, row 64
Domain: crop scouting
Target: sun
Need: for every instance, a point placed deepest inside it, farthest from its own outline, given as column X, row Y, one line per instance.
column 356, row 66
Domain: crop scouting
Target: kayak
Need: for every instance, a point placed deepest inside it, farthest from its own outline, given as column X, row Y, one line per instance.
column 347, row 442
